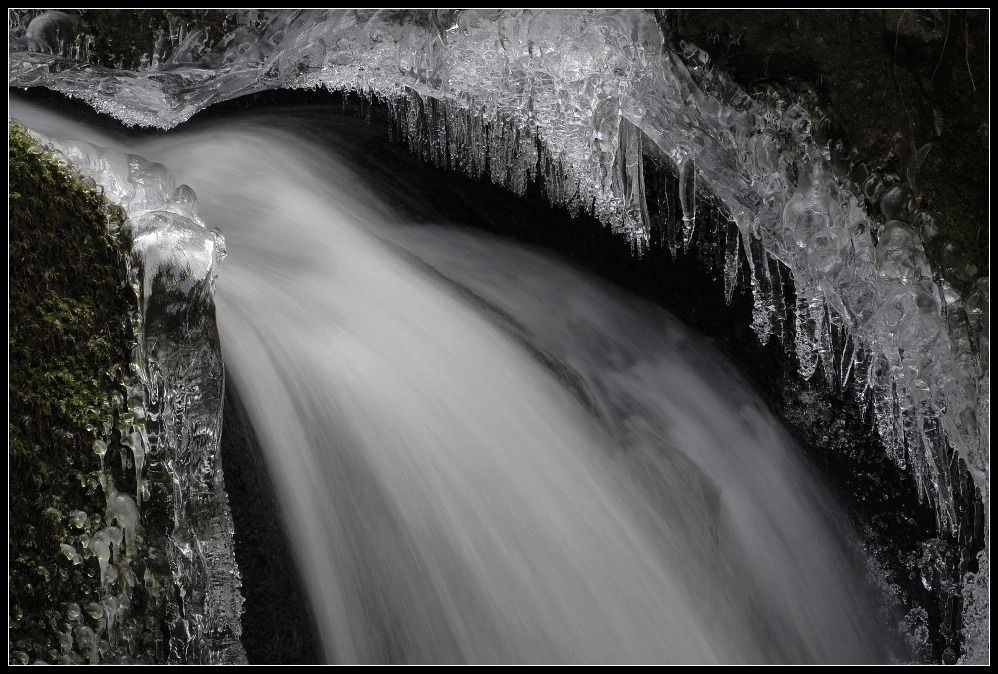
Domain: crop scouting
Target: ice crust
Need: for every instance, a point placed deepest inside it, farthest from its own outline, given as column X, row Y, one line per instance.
column 171, row 423
column 581, row 99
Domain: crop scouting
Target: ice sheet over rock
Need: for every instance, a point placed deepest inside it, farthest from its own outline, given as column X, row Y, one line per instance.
column 171, row 422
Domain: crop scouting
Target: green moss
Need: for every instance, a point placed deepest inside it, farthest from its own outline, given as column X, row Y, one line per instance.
column 69, row 343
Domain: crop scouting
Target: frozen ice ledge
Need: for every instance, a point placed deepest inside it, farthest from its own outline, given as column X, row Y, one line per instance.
column 589, row 102
column 170, row 422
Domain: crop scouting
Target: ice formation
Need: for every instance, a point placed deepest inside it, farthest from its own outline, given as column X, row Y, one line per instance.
column 170, row 425
column 586, row 101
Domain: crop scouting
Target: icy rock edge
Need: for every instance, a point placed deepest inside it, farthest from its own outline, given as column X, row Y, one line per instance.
column 171, row 421
column 586, row 101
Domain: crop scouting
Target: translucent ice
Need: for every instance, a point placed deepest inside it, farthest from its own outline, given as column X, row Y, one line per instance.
column 122, row 510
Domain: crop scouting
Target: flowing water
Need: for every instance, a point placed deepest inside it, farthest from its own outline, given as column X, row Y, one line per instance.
column 486, row 454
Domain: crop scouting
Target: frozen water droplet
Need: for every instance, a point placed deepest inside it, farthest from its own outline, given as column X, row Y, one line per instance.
column 70, row 552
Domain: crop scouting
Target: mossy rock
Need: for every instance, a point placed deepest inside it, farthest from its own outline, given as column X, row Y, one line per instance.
column 69, row 343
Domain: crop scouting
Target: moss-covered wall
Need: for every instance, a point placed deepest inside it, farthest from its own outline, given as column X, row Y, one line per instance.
column 69, row 344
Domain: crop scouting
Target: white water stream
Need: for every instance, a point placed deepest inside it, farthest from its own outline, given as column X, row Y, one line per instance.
column 487, row 455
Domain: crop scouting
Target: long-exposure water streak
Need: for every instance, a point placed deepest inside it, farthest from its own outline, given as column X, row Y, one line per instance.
column 484, row 454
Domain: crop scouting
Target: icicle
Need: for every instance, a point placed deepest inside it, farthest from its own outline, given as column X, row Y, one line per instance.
column 823, row 336
column 937, row 458
column 779, row 302
column 762, row 290
column 807, row 357
column 672, row 217
column 529, row 161
column 847, row 363
column 863, row 364
column 440, row 145
column 688, row 198
column 732, row 261
column 883, row 400
column 918, row 460
column 478, row 144
column 630, row 179
column 718, row 231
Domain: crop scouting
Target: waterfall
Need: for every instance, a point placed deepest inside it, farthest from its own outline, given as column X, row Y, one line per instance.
column 512, row 478
column 588, row 104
